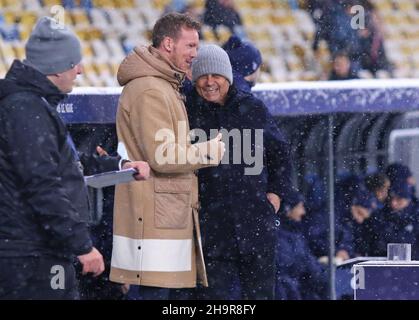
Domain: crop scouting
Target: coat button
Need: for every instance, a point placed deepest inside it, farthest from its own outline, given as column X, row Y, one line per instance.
column 140, row 219
column 139, row 247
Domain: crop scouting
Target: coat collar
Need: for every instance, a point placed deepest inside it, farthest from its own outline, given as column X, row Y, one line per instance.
column 22, row 77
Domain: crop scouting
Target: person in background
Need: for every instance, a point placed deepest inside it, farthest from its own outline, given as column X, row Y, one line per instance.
column 397, row 222
column 373, row 54
column 299, row 274
column 43, row 199
column 341, row 67
column 223, row 12
column 316, row 222
column 363, row 208
column 378, row 184
column 397, row 171
column 246, row 61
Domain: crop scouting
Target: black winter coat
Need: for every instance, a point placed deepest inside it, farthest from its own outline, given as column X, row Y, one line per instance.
column 236, row 216
column 387, row 226
column 299, row 274
column 43, row 198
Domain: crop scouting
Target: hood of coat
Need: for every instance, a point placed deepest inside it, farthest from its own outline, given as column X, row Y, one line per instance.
column 146, row 61
column 22, row 77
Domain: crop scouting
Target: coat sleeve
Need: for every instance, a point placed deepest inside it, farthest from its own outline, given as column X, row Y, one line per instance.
column 33, row 136
column 152, row 117
column 278, row 156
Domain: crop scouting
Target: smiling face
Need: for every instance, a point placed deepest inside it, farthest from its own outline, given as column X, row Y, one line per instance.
column 213, row 88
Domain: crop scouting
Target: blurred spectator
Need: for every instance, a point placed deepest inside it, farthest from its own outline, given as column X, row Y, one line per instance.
column 350, row 191
column 299, row 274
column 246, row 60
column 379, row 185
column 341, row 68
column 333, row 23
column 223, row 12
column 398, row 171
column 397, row 222
column 363, row 207
column 373, row 56
column 316, row 223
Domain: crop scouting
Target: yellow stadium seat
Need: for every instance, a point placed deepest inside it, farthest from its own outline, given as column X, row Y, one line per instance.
column 160, row 4
column 124, row 4
column 28, row 18
column 50, row 3
column 80, row 18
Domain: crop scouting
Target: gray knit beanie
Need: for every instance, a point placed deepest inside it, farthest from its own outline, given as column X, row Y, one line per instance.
column 212, row 59
column 52, row 47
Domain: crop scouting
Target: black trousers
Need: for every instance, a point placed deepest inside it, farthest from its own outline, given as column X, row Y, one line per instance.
column 37, row 278
column 249, row 277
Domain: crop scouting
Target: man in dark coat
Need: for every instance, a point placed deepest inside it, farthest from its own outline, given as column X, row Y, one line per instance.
column 238, row 202
column 399, row 172
column 397, row 222
column 299, row 274
column 316, row 222
column 43, row 199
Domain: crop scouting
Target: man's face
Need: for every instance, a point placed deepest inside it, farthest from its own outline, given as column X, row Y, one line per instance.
column 398, row 204
column 213, row 88
column 297, row 213
column 185, row 49
column 342, row 66
column 64, row 81
column 382, row 193
column 359, row 213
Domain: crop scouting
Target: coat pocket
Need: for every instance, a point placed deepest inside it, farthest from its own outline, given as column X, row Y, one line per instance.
column 172, row 203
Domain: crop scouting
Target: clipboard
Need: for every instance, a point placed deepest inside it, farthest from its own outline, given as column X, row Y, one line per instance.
column 110, row 178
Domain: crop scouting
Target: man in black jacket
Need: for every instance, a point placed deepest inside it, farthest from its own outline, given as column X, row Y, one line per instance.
column 43, row 198
column 239, row 198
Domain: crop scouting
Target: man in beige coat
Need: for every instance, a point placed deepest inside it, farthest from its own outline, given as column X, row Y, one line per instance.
column 156, row 233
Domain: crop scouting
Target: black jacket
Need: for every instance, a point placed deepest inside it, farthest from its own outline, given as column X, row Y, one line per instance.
column 236, row 215
column 43, row 198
